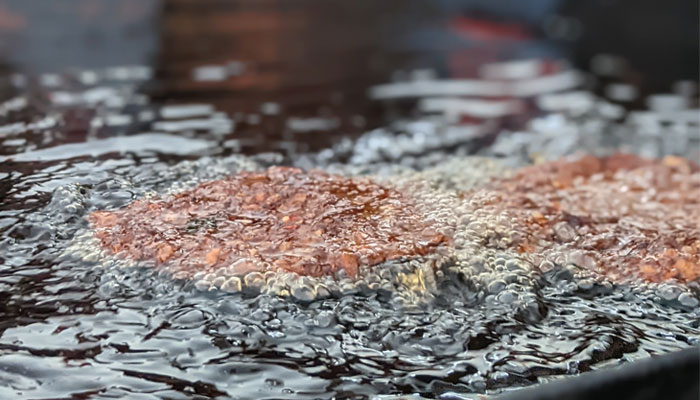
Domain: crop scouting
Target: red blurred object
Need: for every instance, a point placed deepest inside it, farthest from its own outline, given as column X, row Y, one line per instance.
column 484, row 30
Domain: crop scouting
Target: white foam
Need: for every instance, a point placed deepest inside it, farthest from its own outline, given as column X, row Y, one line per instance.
column 566, row 80
column 147, row 141
column 185, row 111
column 667, row 102
column 567, row 101
column 312, row 124
column 470, row 107
column 519, row 69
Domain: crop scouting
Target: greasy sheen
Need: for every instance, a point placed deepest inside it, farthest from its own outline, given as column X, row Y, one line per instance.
column 311, row 223
column 623, row 216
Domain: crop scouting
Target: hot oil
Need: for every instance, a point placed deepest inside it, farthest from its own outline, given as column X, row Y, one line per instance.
column 484, row 310
column 480, row 319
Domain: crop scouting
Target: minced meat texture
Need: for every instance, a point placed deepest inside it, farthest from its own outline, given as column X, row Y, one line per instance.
column 311, row 223
column 624, row 216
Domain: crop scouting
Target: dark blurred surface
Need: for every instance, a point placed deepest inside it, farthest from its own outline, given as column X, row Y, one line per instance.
column 657, row 43
column 670, row 376
column 318, row 58
column 53, row 36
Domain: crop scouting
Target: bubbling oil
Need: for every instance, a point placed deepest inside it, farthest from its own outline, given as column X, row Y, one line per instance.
column 281, row 219
column 474, row 319
column 622, row 216
column 476, row 315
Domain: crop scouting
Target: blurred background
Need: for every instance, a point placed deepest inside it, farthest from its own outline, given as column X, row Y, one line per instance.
column 277, row 68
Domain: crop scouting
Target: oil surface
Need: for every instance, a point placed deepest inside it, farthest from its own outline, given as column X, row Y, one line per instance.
column 79, row 326
column 490, row 314
column 75, row 324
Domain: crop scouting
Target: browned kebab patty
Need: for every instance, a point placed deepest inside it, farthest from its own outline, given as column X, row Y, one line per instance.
column 310, row 223
column 622, row 216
